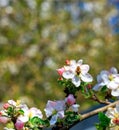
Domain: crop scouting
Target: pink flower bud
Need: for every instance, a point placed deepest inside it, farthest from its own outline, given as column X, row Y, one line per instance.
column 19, row 125
column 67, row 62
column 89, row 86
column 0, row 113
column 6, row 105
column 60, row 71
column 4, row 119
column 70, row 100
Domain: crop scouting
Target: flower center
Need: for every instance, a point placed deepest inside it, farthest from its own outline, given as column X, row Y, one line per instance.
column 110, row 77
column 116, row 121
column 78, row 70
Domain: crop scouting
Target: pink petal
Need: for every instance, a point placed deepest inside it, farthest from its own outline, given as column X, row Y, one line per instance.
column 19, row 125
column 60, row 71
column 3, row 119
column 70, row 100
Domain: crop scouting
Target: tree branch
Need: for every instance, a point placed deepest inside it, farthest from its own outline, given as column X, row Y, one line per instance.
column 94, row 112
column 95, row 98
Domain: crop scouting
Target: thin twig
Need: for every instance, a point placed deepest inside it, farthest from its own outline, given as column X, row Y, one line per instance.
column 95, row 98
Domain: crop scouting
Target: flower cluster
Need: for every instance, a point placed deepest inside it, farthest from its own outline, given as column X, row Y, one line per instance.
column 64, row 113
column 19, row 116
column 57, row 109
column 113, row 114
column 110, row 79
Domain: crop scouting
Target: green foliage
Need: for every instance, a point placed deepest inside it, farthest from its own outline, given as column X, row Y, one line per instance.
column 104, row 122
column 69, row 87
column 71, row 118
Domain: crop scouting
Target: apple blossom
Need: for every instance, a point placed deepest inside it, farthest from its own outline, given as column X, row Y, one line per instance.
column 30, row 113
column 77, row 72
column 110, row 79
column 113, row 114
column 55, row 109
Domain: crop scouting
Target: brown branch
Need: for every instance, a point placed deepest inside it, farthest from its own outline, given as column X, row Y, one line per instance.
column 94, row 112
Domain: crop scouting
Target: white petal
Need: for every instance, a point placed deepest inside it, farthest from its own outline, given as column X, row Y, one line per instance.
column 115, row 92
column 68, row 74
column 84, row 69
column 86, row 77
column 97, row 87
column 23, row 118
column 80, row 62
column 72, row 62
column 76, row 81
column 75, row 107
column 48, row 112
column 105, row 78
column 113, row 85
column 60, row 105
column 35, row 112
column 60, row 114
column 99, row 79
column 113, row 70
column 116, row 79
column 104, row 72
column 12, row 102
column 53, row 119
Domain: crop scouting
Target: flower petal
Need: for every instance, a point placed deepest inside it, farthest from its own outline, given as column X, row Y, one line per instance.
column 68, row 74
column 97, row 87
column 112, row 85
column 84, row 69
column 75, row 107
column 115, row 92
column 76, row 81
column 113, row 70
column 60, row 114
column 80, row 62
column 53, row 119
column 86, row 77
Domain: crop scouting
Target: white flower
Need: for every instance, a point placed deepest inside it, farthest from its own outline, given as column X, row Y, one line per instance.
column 55, row 109
column 77, row 72
column 75, row 107
column 30, row 113
column 110, row 79
column 113, row 114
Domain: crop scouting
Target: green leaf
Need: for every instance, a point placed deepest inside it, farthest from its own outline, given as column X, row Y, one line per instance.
column 10, row 111
column 103, row 89
column 36, row 121
column 104, row 121
column 21, row 112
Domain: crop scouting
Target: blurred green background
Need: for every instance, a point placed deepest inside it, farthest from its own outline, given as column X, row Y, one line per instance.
column 37, row 36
